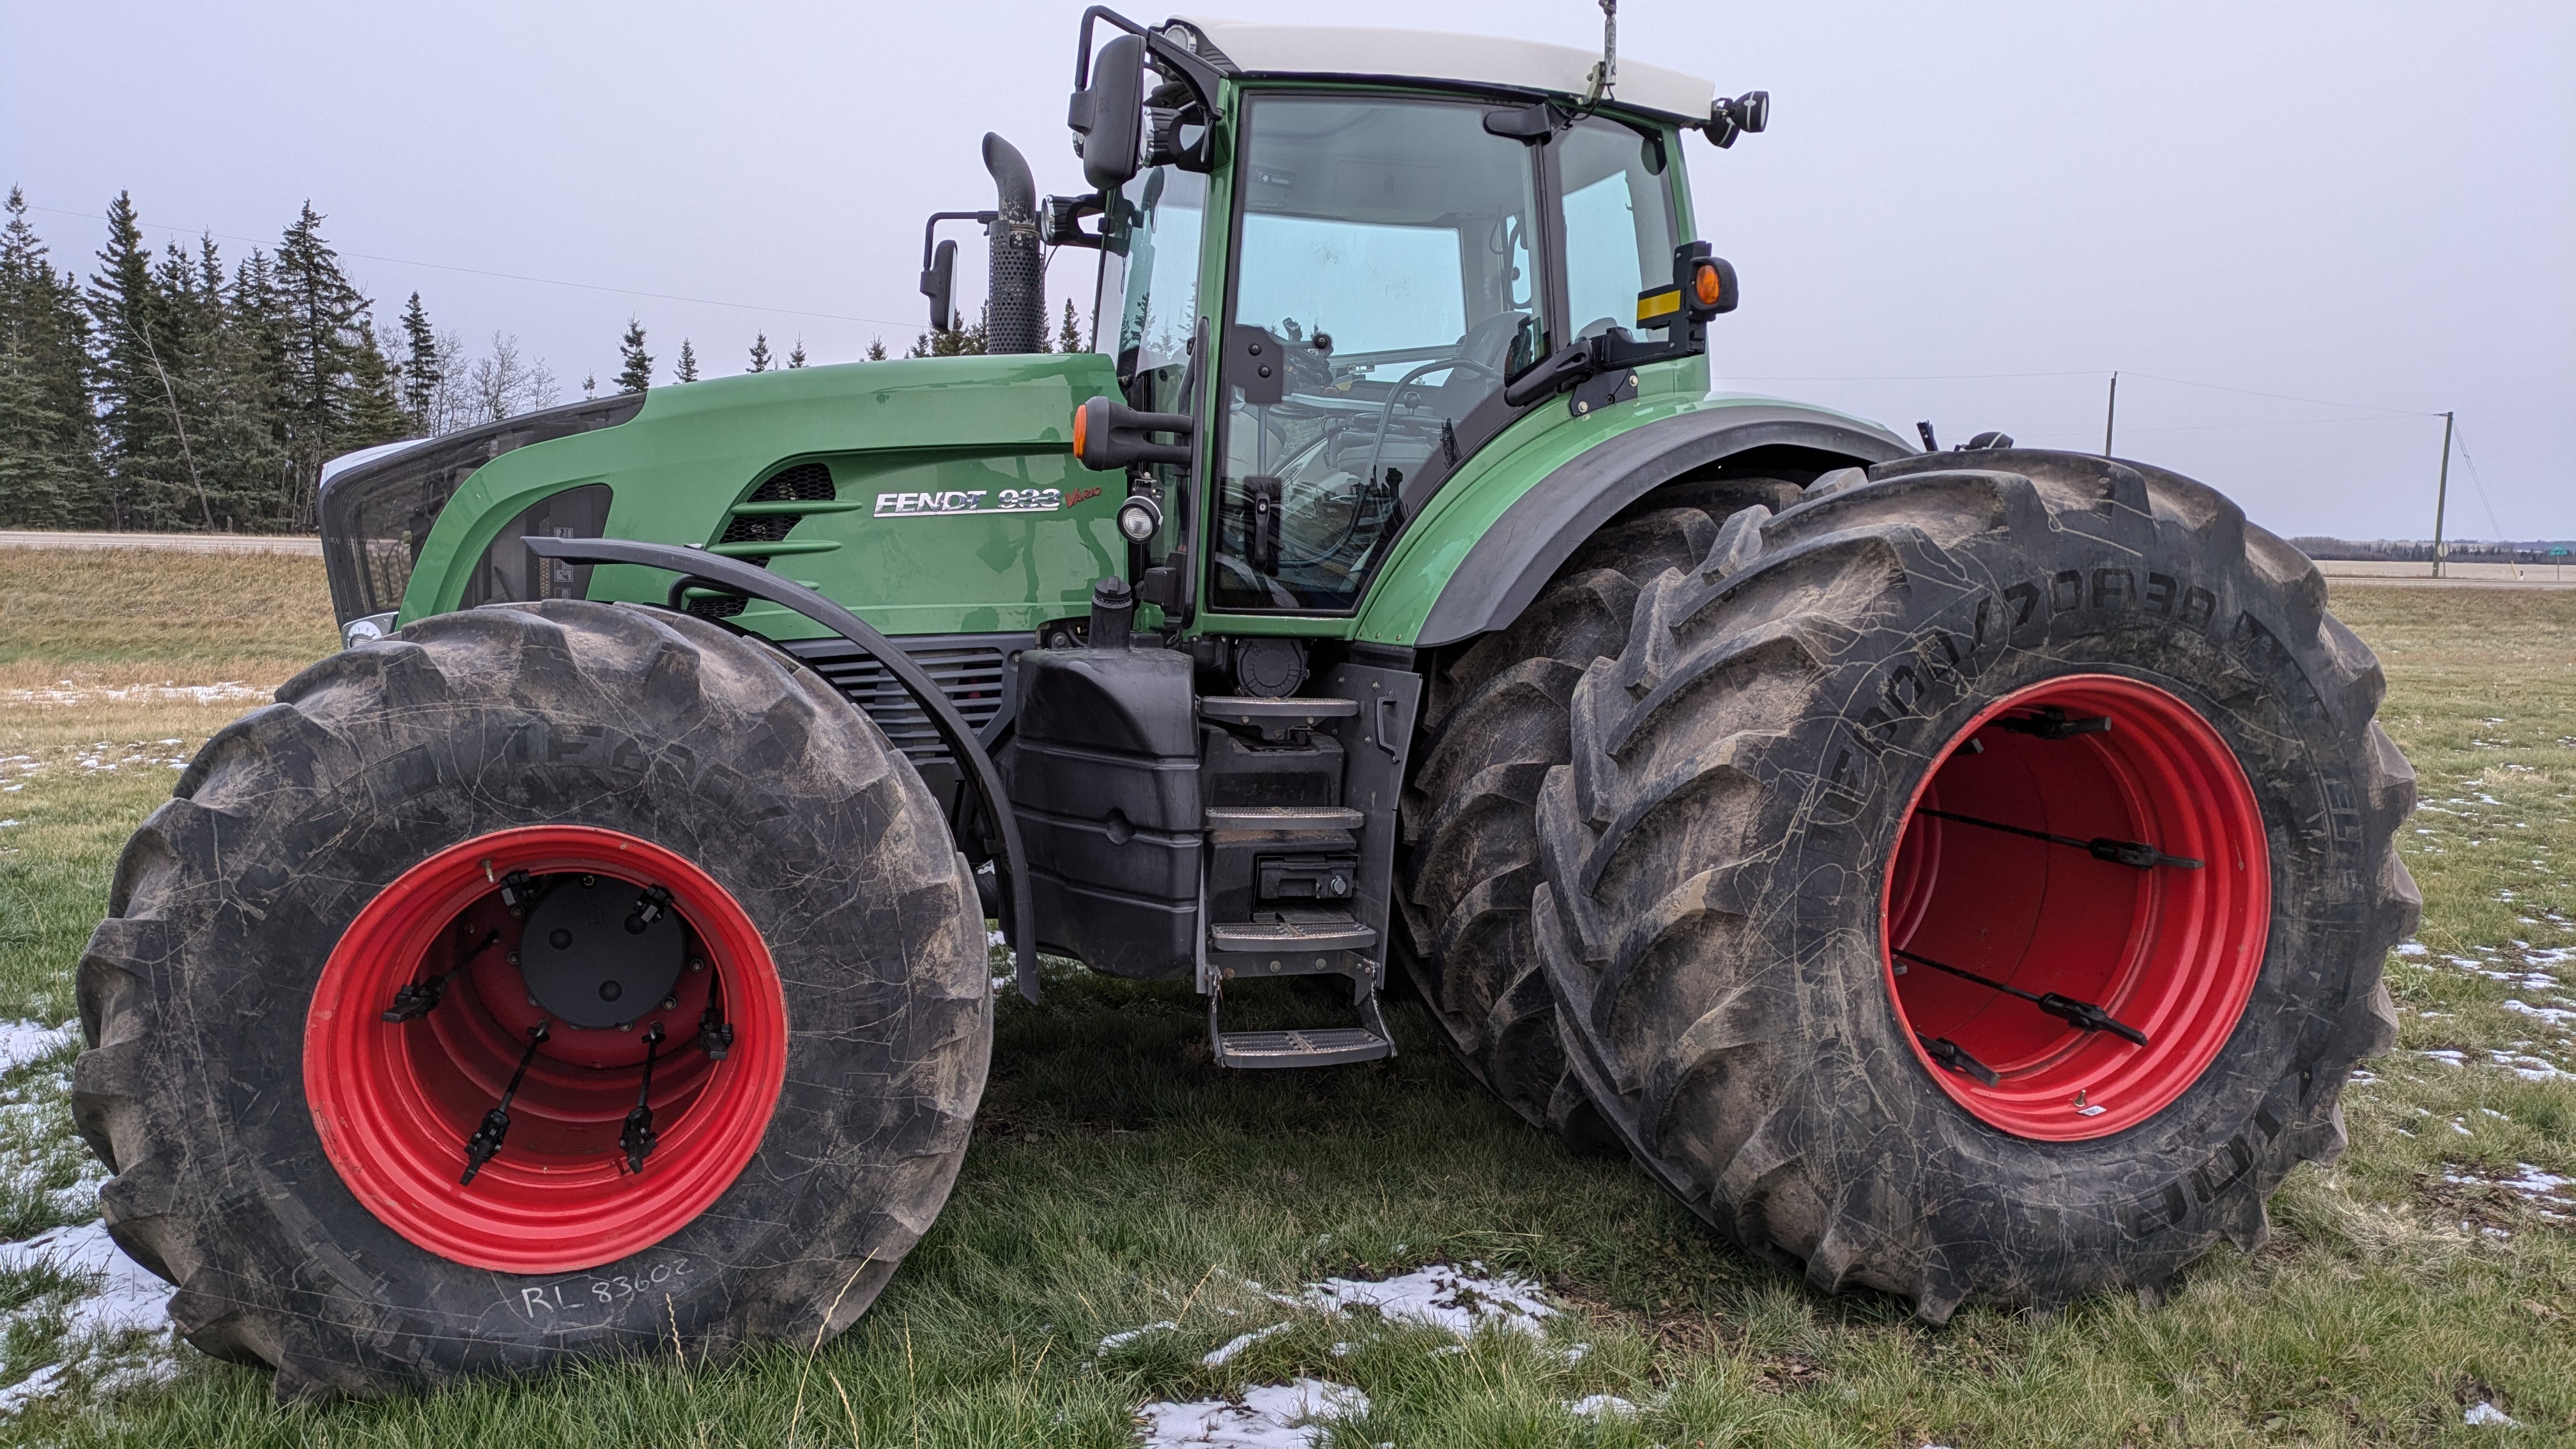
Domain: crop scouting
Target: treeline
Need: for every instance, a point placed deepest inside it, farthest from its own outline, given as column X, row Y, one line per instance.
column 172, row 391
column 175, row 391
column 2457, row 550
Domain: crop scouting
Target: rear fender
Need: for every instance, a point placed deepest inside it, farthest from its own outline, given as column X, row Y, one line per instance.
column 1503, row 567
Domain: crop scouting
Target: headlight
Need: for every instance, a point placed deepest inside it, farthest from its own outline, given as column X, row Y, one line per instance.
column 359, row 631
column 378, row 506
column 1139, row 518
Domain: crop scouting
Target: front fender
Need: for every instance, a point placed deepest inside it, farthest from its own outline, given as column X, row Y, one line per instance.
column 1498, row 572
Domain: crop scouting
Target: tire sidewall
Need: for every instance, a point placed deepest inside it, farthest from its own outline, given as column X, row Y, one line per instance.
column 795, row 846
column 2013, row 614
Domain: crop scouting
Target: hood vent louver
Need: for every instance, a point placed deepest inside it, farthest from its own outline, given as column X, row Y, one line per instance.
column 752, row 524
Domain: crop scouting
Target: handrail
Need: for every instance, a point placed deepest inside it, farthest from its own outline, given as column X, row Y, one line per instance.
column 959, row 736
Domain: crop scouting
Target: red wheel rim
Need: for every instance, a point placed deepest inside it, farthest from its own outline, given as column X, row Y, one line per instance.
column 2167, row 950
column 394, row 1103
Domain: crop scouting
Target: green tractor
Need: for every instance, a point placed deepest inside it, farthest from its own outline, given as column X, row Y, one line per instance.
column 1958, row 874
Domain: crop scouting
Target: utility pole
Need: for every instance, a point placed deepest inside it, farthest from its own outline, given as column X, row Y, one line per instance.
column 2442, row 495
column 2110, row 414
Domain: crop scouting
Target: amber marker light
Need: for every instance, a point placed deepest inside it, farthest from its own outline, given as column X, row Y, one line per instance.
column 1705, row 285
column 1081, row 429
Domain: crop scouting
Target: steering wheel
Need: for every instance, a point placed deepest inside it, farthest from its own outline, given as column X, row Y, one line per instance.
column 1386, row 412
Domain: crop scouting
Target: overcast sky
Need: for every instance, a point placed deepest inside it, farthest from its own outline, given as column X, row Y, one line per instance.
column 1968, row 213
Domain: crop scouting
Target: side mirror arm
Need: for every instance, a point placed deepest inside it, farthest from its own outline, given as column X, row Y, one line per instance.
column 939, row 264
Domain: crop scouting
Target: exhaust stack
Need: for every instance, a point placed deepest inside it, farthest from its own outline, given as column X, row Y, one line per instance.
column 1016, row 319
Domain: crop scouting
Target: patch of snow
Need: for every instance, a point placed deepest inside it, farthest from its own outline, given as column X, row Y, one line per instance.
column 2411, row 948
column 67, row 693
column 29, row 1389
column 2545, row 1190
column 1441, row 1296
column 1240, row 1342
column 2446, row 1056
column 2529, row 1068
column 22, row 1042
column 2483, row 1412
column 129, row 1297
column 1126, row 1336
column 2554, row 1015
column 1295, row 1415
column 1604, row 1407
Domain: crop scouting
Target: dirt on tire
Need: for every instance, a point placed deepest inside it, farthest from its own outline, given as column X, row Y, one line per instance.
column 193, row 992
column 1716, row 848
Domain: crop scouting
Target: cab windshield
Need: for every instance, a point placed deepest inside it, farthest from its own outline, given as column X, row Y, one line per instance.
column 1384, row 285
column 1390, row 276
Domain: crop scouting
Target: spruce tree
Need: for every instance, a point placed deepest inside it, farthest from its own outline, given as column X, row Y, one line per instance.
column 954, row 340
column 1068, row 337
column 321, row 311
column 797, row 357
column 376, row 413
column 229, row 399
column 760, row 352
column 423, row 366
column 146, row 466
column 686, row 369
column 876, row 349
column 636, row 370
column 49, row 475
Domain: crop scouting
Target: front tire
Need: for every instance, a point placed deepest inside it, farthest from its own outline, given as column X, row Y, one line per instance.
column 1782, row 809
column 291, row 1160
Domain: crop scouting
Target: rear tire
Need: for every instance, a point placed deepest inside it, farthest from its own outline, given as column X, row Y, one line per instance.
column 1495, row 723
column 229, row 911
column 1719, row 904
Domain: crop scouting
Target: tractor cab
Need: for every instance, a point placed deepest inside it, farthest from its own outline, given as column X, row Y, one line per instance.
column 1337, row 263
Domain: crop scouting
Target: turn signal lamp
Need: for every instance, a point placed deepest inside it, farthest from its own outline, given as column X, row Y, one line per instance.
column 1706, row 286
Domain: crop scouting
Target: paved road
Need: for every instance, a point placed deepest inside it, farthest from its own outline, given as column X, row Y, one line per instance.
column 181, row 542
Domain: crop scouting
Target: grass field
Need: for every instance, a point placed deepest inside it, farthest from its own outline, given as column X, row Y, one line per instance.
column 1117, row 1180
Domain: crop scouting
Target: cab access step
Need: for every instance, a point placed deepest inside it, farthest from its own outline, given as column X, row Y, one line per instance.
column 1224, row 837
column 1286, row 862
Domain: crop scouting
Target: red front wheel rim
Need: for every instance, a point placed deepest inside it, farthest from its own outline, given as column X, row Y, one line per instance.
column 395, row 1103
column 2167, row 950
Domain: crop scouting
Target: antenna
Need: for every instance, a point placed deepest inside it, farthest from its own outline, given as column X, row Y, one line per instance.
column 1606, row 73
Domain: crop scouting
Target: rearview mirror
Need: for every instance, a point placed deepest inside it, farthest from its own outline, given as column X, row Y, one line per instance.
column 1107, row 114
column 939, row 284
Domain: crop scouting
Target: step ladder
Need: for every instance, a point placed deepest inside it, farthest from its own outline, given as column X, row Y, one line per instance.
column 1303, row 941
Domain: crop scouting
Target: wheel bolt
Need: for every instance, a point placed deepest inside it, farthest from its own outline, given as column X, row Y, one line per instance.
column 697, row 965
column 514, row 958
column 670, row 1003
column 588, row 881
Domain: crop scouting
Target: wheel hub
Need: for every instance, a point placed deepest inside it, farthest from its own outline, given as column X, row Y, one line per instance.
column 599, row 953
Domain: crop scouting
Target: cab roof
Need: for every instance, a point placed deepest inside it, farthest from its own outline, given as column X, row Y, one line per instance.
column 1353, row 52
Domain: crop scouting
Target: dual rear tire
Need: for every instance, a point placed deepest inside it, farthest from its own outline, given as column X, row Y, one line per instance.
column 1772, row 850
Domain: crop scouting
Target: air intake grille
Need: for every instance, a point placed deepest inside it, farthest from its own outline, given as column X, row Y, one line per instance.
column 967, row 668
column 804, row 483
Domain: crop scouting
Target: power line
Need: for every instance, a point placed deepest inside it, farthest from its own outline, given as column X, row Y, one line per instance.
column 1919, row 376
column 504, row 276
column 2286, row 397
column 2480, row 484
column 2285, row 423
